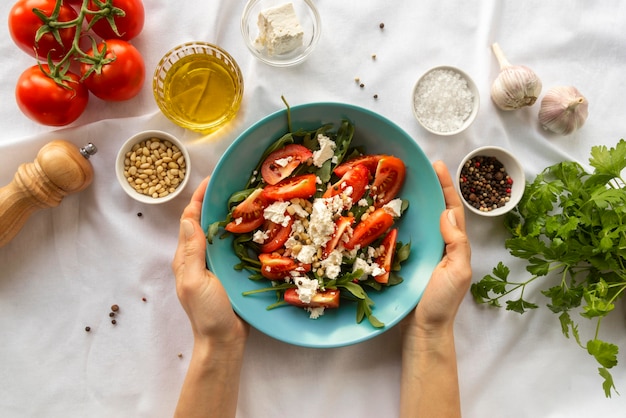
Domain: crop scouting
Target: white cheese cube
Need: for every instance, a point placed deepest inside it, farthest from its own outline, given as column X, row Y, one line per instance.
column 280, row 31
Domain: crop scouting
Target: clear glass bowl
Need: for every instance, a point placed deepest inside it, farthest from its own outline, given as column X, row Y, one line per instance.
column 309, row 19
column 198, row 86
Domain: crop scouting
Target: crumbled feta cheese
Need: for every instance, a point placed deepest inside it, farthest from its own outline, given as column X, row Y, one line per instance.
column 238, row 221
column 332, row 264
column 307, row 288
column 260, row 236
column 276, row 213
column 363, row 203
column 326, row 151
column 282, row 162
column 394, row 208
column 306, row 254
column 280, row 31
column 321, row 224
column 299, row 211
column 315, row 313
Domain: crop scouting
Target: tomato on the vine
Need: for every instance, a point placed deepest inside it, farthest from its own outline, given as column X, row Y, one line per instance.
column 248, row 215
column 24, row 25
column 43, row 100
column 120, row 79
column 128, row 25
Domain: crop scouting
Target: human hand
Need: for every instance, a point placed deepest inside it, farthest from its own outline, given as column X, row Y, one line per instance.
column 199, row 291
column 451, row 278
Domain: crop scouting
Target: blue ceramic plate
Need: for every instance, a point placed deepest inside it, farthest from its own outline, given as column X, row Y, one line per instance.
column 419, row 225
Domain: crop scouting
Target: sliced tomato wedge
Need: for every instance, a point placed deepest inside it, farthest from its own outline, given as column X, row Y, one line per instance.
column 370, row 228
column 356, row 178
column 327, row 299
column 388, row 179
column 369, row 161
column 385, row 259
column 277, row 267
column 341, row 225
column 281, row 163
column 303, row 187
column 277, row 235
column 248, row 215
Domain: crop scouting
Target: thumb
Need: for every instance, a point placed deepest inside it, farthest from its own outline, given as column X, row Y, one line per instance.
column 194, row 247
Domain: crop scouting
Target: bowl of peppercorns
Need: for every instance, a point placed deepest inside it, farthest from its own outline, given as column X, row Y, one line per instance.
column 152, row 167
column 491, row 181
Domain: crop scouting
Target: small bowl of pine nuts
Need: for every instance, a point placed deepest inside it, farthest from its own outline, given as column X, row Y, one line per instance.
column 152, row 167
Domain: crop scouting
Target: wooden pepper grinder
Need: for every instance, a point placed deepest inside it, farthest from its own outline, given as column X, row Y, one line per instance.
column 59, row 169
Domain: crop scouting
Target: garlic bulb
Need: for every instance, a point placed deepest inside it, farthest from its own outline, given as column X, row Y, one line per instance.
column 516, row 85
column 563, row 110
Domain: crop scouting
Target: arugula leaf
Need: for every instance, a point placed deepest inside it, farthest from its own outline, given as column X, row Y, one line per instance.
column 569, row 224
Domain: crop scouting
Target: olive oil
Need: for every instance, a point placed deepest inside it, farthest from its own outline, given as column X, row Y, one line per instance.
column 200, row 90
column 198, row 86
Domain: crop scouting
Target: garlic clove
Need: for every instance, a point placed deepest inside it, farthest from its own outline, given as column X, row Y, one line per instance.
column 516, row 85
column 563, row 110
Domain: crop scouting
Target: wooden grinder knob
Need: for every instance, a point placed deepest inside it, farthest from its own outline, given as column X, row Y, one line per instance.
column 59, row 169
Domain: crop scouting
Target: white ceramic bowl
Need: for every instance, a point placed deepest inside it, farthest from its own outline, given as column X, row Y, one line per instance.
column 512, row 167
column 431, row 93
column 309, row 19
column 122, row 172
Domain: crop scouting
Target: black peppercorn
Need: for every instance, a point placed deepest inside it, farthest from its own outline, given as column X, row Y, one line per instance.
column 484, row 183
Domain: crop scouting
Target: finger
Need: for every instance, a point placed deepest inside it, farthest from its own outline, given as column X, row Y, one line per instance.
column 192, row 211
column 450, row 195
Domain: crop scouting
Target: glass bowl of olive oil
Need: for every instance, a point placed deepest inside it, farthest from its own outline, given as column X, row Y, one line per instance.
column 198, row 86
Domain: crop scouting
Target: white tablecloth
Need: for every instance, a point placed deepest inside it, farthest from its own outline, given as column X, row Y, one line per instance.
column 69, row 264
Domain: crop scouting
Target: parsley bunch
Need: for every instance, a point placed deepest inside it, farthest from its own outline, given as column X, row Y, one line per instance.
column 570, row 225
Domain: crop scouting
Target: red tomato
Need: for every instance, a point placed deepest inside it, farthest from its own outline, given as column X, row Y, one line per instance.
column 282, row 162
column 357, row 178
column 341, row 225
column 326, row 299
column 277, row 267
column 128, row 15
column 248, row 215
column 369, row 161
column 40, row 98
column 370, row 228
column 385, row 260
column 121, row 79
column 276, row 235
column 388, row 179
column 24, row 24
column 303, row 186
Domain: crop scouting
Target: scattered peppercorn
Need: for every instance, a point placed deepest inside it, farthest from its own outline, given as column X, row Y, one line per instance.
column 115, row 308
column 382, row 26
column 87, row 329
column 112, row 314
column 180, row 355
column 139, row 214
column 376, row 96
column 113, row 321
column 144, row 299
column 484, row 183
column 373, row 56
column 361, row 85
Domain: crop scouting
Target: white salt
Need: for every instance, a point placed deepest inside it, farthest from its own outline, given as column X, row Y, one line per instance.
column 443, row 100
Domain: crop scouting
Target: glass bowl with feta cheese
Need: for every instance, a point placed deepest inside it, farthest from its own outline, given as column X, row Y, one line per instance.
column 232, row 185
column 281, row 32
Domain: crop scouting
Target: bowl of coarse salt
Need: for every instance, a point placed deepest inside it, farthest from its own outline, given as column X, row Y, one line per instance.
column 153, row 166
column 445, row 100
